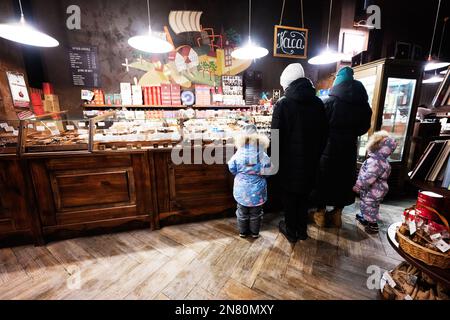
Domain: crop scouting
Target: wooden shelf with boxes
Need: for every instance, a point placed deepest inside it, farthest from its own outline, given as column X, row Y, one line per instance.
column 110, row 106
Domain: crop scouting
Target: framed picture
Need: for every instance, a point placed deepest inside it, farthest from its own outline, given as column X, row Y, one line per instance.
column 19, row 91
column 290, row 42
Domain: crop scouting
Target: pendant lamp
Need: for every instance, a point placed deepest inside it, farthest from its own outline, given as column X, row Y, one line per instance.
column 328, row 55
column 149, row 42
column 250, row 51
column 24, row 33
column 435, row 64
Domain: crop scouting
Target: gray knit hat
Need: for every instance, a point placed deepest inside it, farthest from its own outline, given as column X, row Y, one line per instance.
column 250, row 129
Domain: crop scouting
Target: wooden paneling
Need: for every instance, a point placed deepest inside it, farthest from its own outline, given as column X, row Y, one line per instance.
column 13, row 206
column 189, row 191
column 80, row 191
column 81, row 188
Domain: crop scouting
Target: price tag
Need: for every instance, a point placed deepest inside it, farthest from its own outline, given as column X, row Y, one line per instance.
column 435, row 236
column 408, row 297
column 16, row 133
column 81, row 124
column 388, row 278
column 101, row 124
column 30, row 126
column 4, row 125
column 442, row 245
column 70, row 127
column 412, row 227
column 51, row 124
column 9, row 129
column 40, row 128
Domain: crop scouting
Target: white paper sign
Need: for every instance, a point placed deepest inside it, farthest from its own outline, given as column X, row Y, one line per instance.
column 435, row 236
column 4, row 125
column 40, row 128
column 70, row 127
column 412, row 227
column 101, row 124
column 16, row 133
column 443, row 246
column 408, row 297
column 9, row 129
column 81, row 124
column 389, row 279
column 30, row 126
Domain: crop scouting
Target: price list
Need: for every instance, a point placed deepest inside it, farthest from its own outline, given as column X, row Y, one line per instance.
column 84, row 66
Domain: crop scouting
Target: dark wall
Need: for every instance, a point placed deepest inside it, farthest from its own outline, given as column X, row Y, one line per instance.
column 109, row 24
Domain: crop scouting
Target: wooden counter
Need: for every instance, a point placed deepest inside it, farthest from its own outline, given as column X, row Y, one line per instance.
column 53, row 196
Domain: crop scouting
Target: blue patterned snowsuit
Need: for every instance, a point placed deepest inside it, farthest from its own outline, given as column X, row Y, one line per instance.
column 372, row 182
column 250, row 187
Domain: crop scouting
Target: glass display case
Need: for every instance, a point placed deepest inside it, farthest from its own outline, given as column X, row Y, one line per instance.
column 9, row 136
column 54, row 135
column 392, row 86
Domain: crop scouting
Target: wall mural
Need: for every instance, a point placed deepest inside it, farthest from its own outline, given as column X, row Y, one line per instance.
column 203, row 58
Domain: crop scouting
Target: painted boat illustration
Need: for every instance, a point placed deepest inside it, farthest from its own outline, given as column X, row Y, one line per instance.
column 201, row 57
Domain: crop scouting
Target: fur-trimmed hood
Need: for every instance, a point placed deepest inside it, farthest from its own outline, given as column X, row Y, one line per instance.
column 259, row 141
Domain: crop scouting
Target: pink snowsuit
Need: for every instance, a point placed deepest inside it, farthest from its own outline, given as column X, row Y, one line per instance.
column 372, row 182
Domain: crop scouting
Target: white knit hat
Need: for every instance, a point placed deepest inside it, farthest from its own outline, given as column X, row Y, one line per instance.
column 292, row 72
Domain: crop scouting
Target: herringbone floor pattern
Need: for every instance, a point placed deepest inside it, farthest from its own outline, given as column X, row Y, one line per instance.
column 204, row 260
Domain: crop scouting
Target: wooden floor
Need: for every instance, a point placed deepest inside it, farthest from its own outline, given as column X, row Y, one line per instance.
column 203, row 261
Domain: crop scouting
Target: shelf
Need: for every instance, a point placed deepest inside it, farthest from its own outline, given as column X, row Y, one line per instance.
column 440, row 275
column 431, row 186
column 106, row 106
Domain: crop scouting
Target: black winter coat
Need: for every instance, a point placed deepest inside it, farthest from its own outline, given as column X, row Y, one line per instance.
column 300, row 118
column 349, row 116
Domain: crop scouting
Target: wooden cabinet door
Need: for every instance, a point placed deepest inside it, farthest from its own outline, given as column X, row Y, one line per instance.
column 13, row 207
column 189, row 191
column 92, row 188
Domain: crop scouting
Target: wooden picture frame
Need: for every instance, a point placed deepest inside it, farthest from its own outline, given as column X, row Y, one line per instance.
column 276, row 50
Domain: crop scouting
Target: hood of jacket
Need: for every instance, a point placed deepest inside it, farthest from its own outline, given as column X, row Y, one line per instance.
column 301, row 89
column 387, row 147
column 351, row 91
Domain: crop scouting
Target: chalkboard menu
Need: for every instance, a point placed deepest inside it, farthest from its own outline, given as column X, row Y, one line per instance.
column 84, row 66
column 290, row 42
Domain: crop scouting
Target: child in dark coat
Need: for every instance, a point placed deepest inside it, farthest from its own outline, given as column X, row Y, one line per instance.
column 372, row 184
column 249, row 164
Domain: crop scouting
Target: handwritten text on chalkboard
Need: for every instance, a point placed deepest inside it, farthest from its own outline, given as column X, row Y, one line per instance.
column 84, row 66
column 290, row 42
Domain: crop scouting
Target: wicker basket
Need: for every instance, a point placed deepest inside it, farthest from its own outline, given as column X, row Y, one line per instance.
column 426, row 255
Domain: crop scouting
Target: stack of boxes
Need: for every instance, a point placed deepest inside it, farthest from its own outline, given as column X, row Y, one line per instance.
column 36, row 101
column 175, row 94
column 51, row 101
column 202, row 95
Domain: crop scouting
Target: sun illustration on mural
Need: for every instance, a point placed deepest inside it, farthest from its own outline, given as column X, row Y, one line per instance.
column 206, row 57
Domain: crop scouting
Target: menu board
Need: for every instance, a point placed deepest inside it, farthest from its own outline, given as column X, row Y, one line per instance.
column 290, row 42
column 84, row 67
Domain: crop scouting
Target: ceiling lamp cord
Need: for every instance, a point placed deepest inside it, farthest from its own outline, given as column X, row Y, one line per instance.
column 249, row 19
column 282, row 12
column 329, row 23
column 149, row 20
column 301, row 8
column 434, row 30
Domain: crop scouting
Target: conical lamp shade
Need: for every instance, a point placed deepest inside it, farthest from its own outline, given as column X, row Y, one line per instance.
column 23, row 33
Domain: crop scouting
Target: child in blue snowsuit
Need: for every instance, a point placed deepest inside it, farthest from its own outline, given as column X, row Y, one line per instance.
column 249, row 164
column 372, row 184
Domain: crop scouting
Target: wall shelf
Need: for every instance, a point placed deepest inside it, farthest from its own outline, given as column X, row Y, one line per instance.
column 106, row 106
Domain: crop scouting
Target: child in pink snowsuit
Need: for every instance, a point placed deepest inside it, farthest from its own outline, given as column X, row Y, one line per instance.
column 372, row 184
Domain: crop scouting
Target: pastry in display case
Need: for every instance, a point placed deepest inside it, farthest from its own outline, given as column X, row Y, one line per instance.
column 54, row 135
column 9, row 136
column 113, row 132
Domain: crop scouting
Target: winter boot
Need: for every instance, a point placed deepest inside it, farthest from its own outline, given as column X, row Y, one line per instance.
column 319, row 217
column 334, row 218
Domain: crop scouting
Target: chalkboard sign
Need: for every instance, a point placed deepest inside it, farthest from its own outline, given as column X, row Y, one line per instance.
column 84, row 67
column 290, row 42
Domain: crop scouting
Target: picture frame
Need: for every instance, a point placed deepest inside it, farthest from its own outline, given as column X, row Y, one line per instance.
column 290, row 42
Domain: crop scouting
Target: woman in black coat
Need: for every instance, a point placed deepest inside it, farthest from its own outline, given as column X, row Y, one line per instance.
column 300, row 118
column 349, row 116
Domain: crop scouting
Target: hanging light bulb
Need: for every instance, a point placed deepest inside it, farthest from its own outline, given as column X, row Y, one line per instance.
column 328, row 55
column 435, row 64
column 22, row 32
column 250, row 51
column 150, row 42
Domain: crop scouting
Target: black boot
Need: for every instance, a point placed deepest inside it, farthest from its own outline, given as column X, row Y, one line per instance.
column 288, row 235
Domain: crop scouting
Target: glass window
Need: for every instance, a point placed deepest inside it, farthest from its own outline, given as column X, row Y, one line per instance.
column 369, row 84
column 397, row 111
